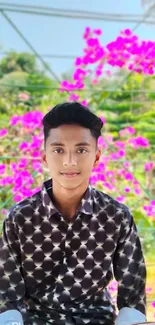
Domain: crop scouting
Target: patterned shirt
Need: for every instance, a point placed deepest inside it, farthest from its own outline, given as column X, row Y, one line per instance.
column 56, row 271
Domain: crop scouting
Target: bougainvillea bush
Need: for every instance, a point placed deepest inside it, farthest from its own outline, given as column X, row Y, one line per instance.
column 127, row 167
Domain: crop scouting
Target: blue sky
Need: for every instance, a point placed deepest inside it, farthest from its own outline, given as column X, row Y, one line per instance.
column 52, row 35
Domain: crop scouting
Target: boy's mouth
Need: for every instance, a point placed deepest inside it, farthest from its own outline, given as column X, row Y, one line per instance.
column 70, row 174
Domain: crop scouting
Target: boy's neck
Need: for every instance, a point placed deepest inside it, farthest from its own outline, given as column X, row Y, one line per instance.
column 68, row 201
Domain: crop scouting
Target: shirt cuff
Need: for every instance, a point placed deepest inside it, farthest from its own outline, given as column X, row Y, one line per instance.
column 11, row 317
column 129, row 316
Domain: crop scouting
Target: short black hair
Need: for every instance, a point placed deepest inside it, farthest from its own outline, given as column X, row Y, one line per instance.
column 72, row 113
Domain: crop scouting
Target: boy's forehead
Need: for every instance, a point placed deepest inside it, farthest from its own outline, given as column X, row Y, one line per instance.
column 70, row 132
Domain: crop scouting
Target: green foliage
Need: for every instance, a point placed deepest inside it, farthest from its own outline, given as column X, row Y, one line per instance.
column 14, row 62
column 13, row 82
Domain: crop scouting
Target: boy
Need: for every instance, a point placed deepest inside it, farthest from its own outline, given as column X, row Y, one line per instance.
column 60, row 246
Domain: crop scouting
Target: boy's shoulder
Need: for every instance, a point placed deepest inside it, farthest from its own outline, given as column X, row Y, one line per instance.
column 26, row 207
column 104, row 201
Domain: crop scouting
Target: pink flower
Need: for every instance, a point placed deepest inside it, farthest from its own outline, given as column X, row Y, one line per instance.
column 128, row 32
column 25, row 173
column 19, row 181
column 78, row 61
column 7, row 180
column 15, row 119
column 98, row 72
column 79, row 84
column 128, row 176
column 32, row 120
column 108, row 185
column 120, row 198
column 126, row 131
column 23, row 96
column 131, row 130
column 92, row 42
column 114, row 156
column 18, row 197
column 137, row 191
column 3, row 132
column 110, row 174
column 101, row 178
column 13, row 167
column 26, row 192
column 36, row 154
column 23, row 163
column 84, row 102
column 126, row 164
column 36, row 143
column 37, row 166
column 97, row 31
column 24, row 145
column 64, row 85
column 108, row 73
column 139, row 142
column 131, row 66
column 93, row 179
column 2, row 169
column 135, row 182
column 110, row 138
column 149, row 166
column 78, row 74
column 36, row 190
column 4, row 211
column 87, row 33
column 153, row 304
column 121, row 153
column 29, row 181
column 74, row 97
column 102, row 143
column 119, row 144
column 103, row 119
column 95, row 81
column 127, row 189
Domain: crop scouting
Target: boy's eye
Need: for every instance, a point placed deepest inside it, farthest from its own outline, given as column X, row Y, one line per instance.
column 82, row 150
column 58, row 150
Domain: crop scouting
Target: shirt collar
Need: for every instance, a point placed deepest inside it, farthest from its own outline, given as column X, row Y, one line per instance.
column 86, row 205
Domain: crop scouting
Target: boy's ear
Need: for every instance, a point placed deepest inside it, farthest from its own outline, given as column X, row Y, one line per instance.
column 43, row 156
column 97, row 158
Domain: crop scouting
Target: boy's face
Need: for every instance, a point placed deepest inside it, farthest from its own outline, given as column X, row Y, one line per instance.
column 70, row 155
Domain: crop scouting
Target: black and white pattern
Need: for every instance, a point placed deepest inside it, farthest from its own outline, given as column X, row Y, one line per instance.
column 56, row 271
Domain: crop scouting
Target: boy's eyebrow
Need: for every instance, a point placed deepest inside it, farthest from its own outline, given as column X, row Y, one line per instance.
column 82, row 144
column 77, row 145
column 57, row 144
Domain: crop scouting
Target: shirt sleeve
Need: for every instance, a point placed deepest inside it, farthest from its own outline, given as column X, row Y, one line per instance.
column 129, row 267
column 12, row 286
